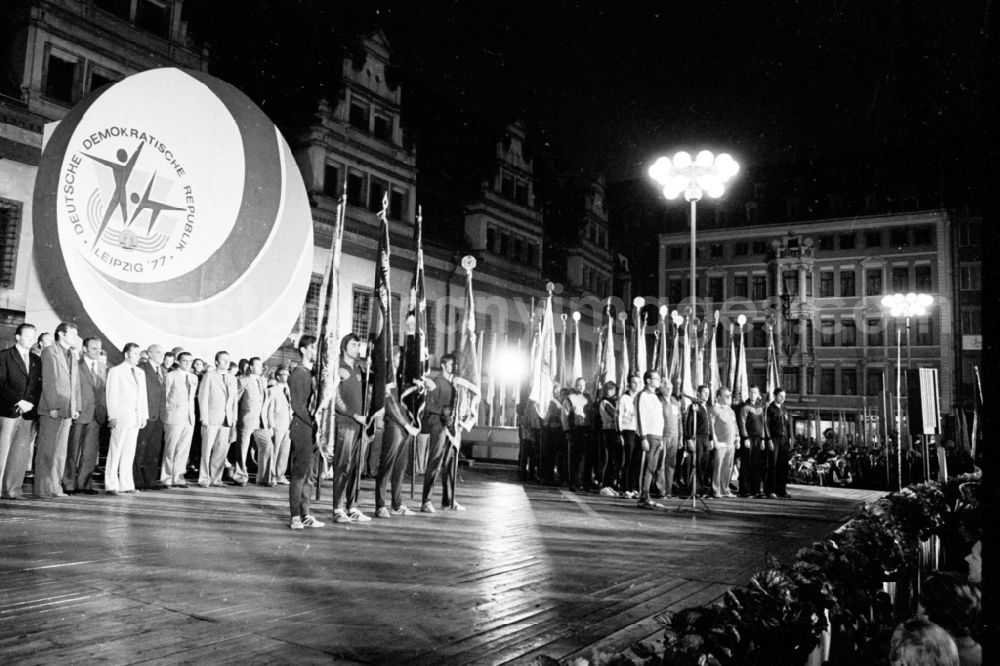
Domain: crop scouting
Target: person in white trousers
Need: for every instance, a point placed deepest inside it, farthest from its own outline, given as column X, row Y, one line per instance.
column 180, row 388
column 127, row 414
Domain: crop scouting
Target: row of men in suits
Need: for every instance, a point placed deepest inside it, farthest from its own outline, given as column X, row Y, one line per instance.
column 151, row 410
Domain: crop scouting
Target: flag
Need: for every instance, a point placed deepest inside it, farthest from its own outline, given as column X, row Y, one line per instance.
column 577, row 357
column 640, row 343
column 466, row 379
column 686, row 380
column 977, row 403
column 608, row 369
column 415, row 360
column 381, row 374
column 664, row 358
column 625, row 364
column 564, row 379
column 675, row 364
column 699, row 353
column 961, row 430
column 491, row 388
column 741, row 388
column 819, row 429
column 543, row 370
column 655, row 363
column 731, row 376
column 773, row 378
column 714, row 382
column 328, row 347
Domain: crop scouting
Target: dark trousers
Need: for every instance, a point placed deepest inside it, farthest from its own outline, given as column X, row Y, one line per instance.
column 578, row 437
column 751, row 466
column 665, row 480
column 302, row 468
column 552, row 449
column 440, row 453
column 346, row 462
column 776, row 467
column 392, row 462
column 704, row 465
column 591, row 473
column 81, row 455
column 528, row 455
column 652, row 463
column 612, row 454
column 630, row 463
column 148, row 454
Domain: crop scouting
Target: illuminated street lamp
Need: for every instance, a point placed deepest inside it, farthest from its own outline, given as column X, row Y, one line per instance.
column 706, row 174
column 898, row 305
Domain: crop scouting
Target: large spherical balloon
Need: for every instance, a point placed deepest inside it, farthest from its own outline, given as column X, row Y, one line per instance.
column 168, row 209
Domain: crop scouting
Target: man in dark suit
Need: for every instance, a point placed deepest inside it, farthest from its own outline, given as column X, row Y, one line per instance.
column 149, row 445
column 777, row 439
column 59, row 405
column 750, row 421
column 84, row 434
column 20, row 391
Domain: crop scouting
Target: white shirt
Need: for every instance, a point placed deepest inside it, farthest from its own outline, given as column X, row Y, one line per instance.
column 626, row 412
column 724, row 425
column 650, row 413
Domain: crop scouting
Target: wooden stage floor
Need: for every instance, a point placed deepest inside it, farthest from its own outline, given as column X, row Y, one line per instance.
column 215, row 575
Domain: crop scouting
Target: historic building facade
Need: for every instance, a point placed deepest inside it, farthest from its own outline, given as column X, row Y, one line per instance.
column 820, row 284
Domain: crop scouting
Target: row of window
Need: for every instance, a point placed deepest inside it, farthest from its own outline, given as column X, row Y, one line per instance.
column 791, row 381
column 370, row 119
column 515, row 188
column 68, row 77
column 365, row 190
column 898, row 237
column 596, row 235
column 10, row 225
column 596, row 282
column 512, row 246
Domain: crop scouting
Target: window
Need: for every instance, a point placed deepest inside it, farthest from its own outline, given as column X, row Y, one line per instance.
column 491, row 240
column 758, row 377
column 358, row 116
column 826, row 284
column 740, row 286
column 521, row 192
column 759, row 247
column 900, row 279
column 310, row 309
column 899, row 237
column 826, row 333
column 10, row 227
column 757, row 335
column 505, row 244
column 120, row 8
column 100, row 78
column 810, row 344
column 675, row 292
column 361, row 311
column 532, row 259
column 876, row 333
column 715, row 288
column 741, row 248
column 60, row 78
column 972, row 321
column 849, row 381
column 153, row 16
column 847, row 284
column 810, row 381
column 848, row 333
column 969, row 277
column 873, row 381
column 969, row 234
column 331, row 180
column 601, row 239
column 382, row 128
column 827, row 381
column 790, row 380
column 826, row 242
column 397, row 204
column 922, row 235
column 518, row 249
column 376, row 191
column 356, row 189
column 924, row 335
column 759, row 287
column 873, row 282
column 676, row 253
column 809, row 284
column 715, row 250
column 922, row 278
column 873, row 239
column 847, row 241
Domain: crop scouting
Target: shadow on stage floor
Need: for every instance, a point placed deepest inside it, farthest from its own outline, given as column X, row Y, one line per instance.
column 215, row 576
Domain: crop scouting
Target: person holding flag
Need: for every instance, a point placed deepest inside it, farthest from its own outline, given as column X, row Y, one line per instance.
column 350, row 420
column 397, row 434
column 750, row 421
column 438, row 414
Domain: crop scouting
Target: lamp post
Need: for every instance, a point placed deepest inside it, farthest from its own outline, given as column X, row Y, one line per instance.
column 706, row 174
column 900, row 306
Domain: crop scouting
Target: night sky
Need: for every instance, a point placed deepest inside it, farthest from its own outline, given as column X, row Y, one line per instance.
column 605, row 87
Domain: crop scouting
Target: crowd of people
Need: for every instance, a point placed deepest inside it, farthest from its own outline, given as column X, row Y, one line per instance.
column 648, row 444
column 168, row 417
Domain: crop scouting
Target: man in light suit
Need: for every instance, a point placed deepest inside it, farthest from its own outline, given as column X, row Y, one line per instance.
column 149, row 445
column 20, row 391
column 84, row 434
column 217, row 404
column 60, row 404
column 180, row 389
column 251, row 391
column 127, row 412
column 278, row 409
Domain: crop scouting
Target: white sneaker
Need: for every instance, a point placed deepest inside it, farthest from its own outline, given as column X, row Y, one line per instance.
column 403, row 511
column 608, row 492
column 382, row 512
column 427, row 507
column 358, row 517
column 340, row 516
column 296, row 523
column 309, row 521
column 455, row 506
